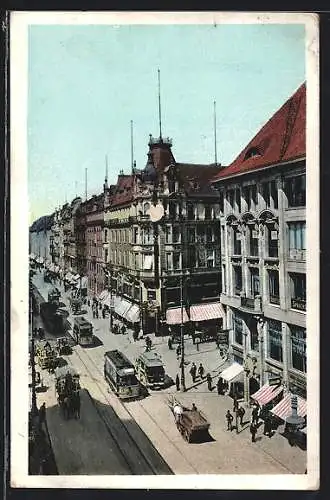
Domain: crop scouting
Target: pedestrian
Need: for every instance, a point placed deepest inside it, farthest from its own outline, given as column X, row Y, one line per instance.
column 209, row 381
column 235, row 404
column 135, row 334
column 267, row 427
column 194, row 407
column 253, row 430
column 229, row 419
column 240, row 413
column 178, row 351
column 255, row 415
column 170, row 343
column 103, row 313
column 201, row 370
column 96, row 312
column 220, row 386
column 177, row 382
column 42, row 413
column 193, row 371
column 93, row 309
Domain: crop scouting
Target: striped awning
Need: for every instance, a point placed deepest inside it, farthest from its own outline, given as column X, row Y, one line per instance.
column 204, row 312
column 267, row 393
column 283, row 408
column 173, row 316
column 133, row 314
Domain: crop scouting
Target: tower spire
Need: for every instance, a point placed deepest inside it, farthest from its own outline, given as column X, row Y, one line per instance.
column 215, row 131
column 159, row 107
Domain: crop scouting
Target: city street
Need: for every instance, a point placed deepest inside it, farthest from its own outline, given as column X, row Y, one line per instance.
column 131, row 432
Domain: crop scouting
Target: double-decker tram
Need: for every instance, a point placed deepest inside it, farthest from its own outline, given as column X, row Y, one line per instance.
column 119, row 372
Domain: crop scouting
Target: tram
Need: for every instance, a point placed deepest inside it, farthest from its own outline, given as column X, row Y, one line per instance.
column 119, row 372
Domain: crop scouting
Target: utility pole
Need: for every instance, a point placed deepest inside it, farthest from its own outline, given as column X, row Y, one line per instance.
column 159, row 107
column 215, row 132
column 183, row 381
column 132, row 150
column 85, row 184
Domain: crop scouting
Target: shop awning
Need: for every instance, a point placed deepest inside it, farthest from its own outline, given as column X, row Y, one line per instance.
column 204, row 312
column 133, row 314
column 232, row 373
column 173, row 316
column 122, row 307
column 283, row 408
column 266, row 393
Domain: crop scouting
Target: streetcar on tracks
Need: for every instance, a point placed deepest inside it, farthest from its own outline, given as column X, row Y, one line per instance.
column 150, row 370
column 120, row 374
column 83, row 332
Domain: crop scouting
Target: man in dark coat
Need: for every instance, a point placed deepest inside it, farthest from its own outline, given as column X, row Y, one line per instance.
column 220, row 386
column 268, row 427
column 201, row 370
column 253, row 430
column 235, row 404
column 209, row 381
column 193, row 371
column 177, row 382
column 229, row 419
column 42, row 413
column 240, row 414
column 255, row 415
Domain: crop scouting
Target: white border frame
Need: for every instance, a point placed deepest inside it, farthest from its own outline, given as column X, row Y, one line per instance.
column 20, row 261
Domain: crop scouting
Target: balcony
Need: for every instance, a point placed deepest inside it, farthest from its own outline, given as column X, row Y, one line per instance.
column 297, row 254
column 251, row 304
column 298, row 304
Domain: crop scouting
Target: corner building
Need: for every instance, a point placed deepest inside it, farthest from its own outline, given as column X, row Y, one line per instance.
column 263, row 249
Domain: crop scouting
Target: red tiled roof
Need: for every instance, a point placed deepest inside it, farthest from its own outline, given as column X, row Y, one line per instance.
column 196, row 177
column 123, row 192
column 281, row 139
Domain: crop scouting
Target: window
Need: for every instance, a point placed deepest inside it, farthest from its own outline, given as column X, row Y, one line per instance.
column 296, row 191
column 230, row 196
column 255, row 284
column 238, row 199
column 106, row 255
column 221, row 201
column 247, row 197
column 208, row 212
column 274, row 194
column 298, row 348
column 237, row 279
column 254, row 196
column 201, row 237
column 172, row 209
column 191, row 235
column 237, row 241
column 266, row 193
column 168, row 261
column 135, row 235
column 147, row 262
column 274, row 287
column 275, row 340
column 176, row 234
column 238, row 330
column 254, row 338
column 147, row 237
column 176, row 260
column 209, row 234
column 272, row 241
column 298, row 291
column 209, row 258
column 190, row 211
column 168, row 234
column 224, row 279
column 297, row 243
column 253, row 241
column 192, row 257
column 136, row 261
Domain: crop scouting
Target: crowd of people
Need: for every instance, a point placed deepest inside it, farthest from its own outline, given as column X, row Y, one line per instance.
column 254, row 422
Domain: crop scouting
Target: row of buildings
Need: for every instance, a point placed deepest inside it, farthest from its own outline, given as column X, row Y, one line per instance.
column 227, row 242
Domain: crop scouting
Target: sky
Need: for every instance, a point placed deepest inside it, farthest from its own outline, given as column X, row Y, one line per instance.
column 86, row 84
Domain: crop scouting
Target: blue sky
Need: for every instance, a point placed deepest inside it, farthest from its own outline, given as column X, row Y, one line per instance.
column 87, row 82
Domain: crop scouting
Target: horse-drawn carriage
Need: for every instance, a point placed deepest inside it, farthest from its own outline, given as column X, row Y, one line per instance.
column 46, row 355
column 191, row 423
column 67, row 386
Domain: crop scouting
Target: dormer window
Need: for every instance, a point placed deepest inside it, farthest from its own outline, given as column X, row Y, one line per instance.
column 251, row 153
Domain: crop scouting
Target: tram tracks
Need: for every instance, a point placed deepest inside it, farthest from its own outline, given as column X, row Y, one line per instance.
column 186, row 464
column 117, row 424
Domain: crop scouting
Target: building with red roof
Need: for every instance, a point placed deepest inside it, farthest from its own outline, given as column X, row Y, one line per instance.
column 263, row 250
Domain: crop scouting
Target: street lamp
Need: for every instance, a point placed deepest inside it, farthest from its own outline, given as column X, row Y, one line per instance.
column 294, row 420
